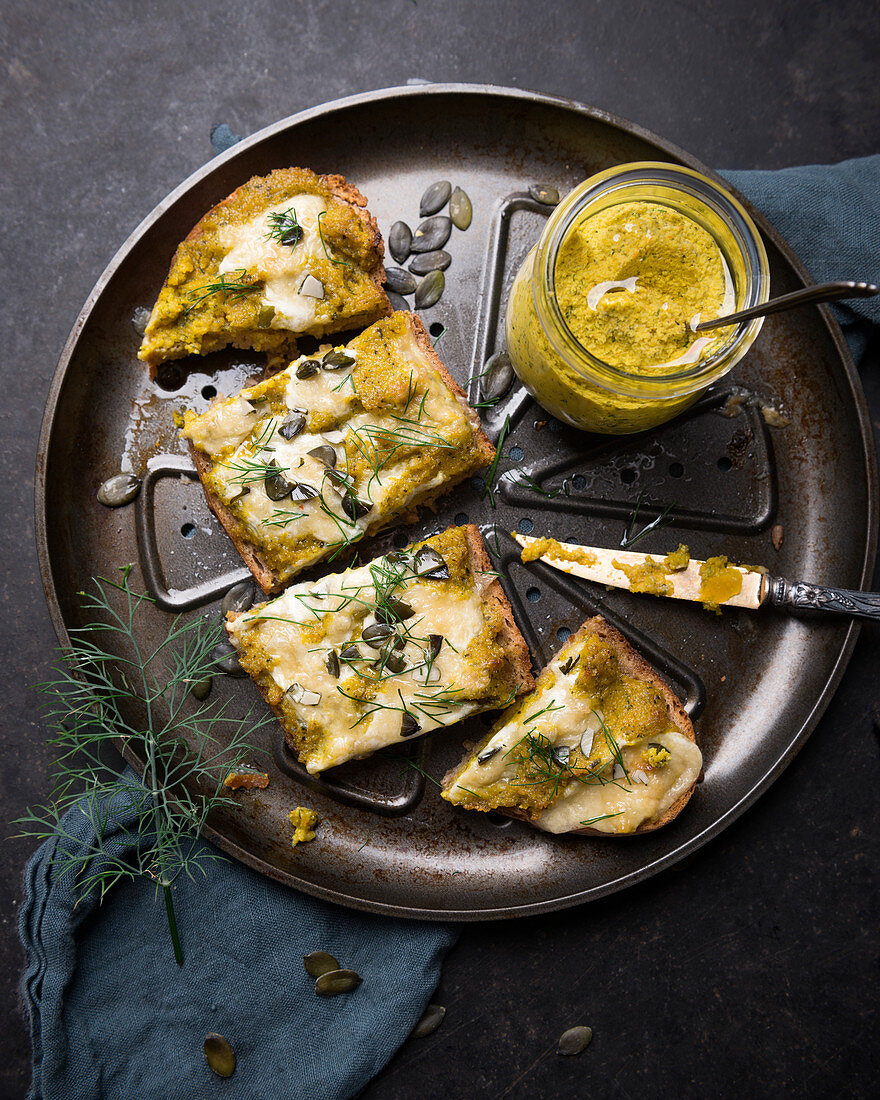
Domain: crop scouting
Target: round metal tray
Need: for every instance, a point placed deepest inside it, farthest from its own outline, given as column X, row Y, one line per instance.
column 756, row 682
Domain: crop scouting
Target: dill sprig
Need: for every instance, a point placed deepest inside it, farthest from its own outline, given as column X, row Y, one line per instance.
column 140, row 696
column 284, row 227
column 231, row 290
column 489, row 485
column 663, row 520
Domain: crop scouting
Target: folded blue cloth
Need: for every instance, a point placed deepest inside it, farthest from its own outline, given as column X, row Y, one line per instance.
column 113, row 1016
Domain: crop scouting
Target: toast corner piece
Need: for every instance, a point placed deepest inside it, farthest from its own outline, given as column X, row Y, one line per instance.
column 492, row 593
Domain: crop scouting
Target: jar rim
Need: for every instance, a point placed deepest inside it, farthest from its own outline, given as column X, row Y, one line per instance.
column 672, row 179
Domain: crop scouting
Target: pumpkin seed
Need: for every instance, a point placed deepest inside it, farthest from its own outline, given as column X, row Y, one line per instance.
column 432, row 234
column 395, row 663
column 312, row 287
column 486, row 756
column 399, row 240
column 377, row 634
column 497, row 376
column 428, row 563
column 430, row 289
column 119, row 490
column 337, row 359
column 293, row 236
column 569, row 664
column 431, row 1019
column 318, row 963
column 397, row 302
column 219, row 1054
column 201, row 689
column 354, row 508
column 335, row 982
column 242, row 492
column 325, row 453
column 293, row 424
column 307, row 368
column 239, row 598
column 350, row 652
column 436, row 197
column 225, row 657
column 574, row 1040
column 276, row 484
column 460, row 209
column 400, row 281
column 303, row 696
column 264, row 316
column 301, row 491
column 409, row 725
column 394, row 611
column 544, row 193
column 435, row 642
column 561, row 755
column 332, row 664
column 430, row 261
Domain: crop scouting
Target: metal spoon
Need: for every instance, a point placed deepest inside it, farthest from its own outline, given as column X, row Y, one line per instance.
column 826, row 292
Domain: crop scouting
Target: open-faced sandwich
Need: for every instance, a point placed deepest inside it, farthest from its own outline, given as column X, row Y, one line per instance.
column 381, row 653
column 601, row 746
column 335, row 447
column 287, row 254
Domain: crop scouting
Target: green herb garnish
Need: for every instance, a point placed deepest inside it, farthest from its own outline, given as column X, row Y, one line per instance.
column 285, row 228
column 143, row 699
column 231, row 290
column 663, row 520
column 342, row 263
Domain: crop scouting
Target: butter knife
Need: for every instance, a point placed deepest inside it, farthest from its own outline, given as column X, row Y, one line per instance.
column 599, row 564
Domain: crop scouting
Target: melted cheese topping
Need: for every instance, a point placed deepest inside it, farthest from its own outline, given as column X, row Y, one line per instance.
column 283, row 269
column 385, row 459
column 296, row 632
column 619, row 799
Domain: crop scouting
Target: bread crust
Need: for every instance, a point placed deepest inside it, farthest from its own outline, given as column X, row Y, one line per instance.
column 342, row 191
column 491, row 592
column 635, row 665
column 270, row 580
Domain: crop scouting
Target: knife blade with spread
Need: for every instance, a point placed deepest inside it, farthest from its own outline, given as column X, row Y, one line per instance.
column 715, row 583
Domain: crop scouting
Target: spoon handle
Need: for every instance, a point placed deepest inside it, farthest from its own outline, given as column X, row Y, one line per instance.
column 826, row 292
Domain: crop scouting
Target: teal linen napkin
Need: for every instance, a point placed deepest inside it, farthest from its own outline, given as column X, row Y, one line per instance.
column 111, row 1014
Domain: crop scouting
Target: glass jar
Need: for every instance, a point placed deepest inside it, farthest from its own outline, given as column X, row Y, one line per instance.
column 563, row 375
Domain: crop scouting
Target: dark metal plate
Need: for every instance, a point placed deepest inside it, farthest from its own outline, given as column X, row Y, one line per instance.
column 756, row 682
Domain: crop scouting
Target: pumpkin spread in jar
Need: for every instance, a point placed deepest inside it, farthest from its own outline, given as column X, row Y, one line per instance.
column 633, row 282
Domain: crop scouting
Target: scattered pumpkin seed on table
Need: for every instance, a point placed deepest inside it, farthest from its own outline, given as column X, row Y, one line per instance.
column 240, row 597
column 219, row 1054
column 431, row 1019
column 497, row 376
column 460, row 209
column 431, row 234
column 544, row 193
column 396, row 300
column 399, row 241
column 400, row 281
column 575, row 1040
column 430, row 289
column 225, row 657
column 334, row 982
column 319, row 962
column 430, row 261
column 201, row 689
column 435, row 198
column 119, row 490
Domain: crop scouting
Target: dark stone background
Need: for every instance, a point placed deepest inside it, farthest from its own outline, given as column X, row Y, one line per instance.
column 750, row 970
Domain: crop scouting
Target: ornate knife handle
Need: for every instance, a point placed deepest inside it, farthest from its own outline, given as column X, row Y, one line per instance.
column 818, row 597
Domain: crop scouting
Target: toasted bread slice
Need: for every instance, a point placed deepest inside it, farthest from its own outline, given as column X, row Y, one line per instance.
column 384, row 652
column 360, row 436
column 602, row 746
column 284, row 255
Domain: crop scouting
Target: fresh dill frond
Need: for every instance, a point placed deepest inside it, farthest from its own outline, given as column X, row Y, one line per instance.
column 630, row 536
column 601, row 817
column 231, row 290
column 284, row 227
column 489, row 485
column 109, row 685
column 523, row 479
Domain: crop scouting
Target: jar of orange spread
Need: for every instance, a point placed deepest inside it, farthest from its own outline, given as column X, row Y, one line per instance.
column 601, row 315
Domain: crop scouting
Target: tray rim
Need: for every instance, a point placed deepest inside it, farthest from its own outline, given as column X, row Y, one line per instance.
column 868, row 456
